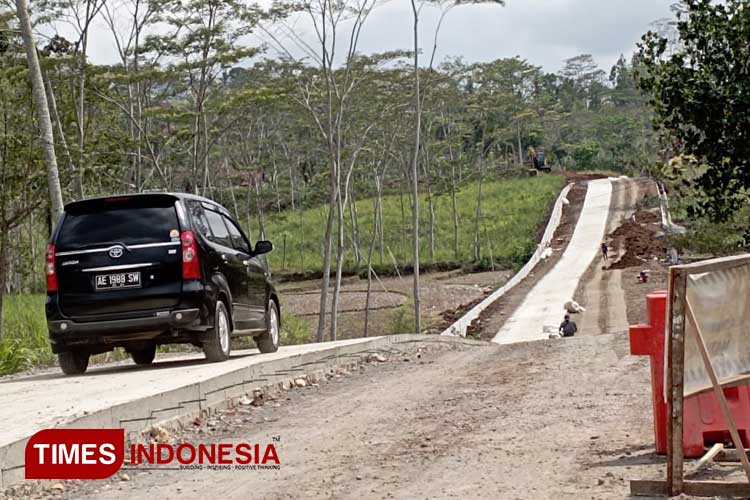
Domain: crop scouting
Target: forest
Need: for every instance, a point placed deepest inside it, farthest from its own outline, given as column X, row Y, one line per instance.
column 390, row 150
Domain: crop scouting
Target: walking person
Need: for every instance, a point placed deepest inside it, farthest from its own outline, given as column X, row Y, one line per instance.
column 605, row 251
column 568, row 327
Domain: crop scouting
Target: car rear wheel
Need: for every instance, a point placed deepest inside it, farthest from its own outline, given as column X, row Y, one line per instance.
column 144, row 356
column 73, row 362
column 218, row 345
column 269, row 341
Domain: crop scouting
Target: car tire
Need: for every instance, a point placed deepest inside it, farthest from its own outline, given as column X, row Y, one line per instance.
column 269, row 341
column 144, row 356
column 73, row 362
column 219, row 342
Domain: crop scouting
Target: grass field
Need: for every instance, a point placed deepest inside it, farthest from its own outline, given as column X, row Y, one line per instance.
column 512, row 211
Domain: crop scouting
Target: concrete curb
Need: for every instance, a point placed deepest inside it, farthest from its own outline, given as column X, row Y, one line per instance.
column 198, row 398
column 458, row 329
column 667, row 225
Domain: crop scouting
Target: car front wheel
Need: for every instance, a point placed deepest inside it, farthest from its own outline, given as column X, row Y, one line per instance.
column 73, row 362
column 218, row 344
column 269, row 341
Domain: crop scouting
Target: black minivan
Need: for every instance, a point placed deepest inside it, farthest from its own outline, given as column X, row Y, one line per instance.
column 137, row 271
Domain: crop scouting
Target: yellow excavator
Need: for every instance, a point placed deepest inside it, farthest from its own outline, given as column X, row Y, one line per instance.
column 538, row 160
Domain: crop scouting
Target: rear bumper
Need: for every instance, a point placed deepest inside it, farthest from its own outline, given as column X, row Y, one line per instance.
column 159, row 321
column 65, row 333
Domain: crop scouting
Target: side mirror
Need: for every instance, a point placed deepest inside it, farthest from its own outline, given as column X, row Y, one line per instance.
column 262, row 247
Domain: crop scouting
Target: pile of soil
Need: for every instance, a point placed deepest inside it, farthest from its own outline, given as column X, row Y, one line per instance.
column 450, row 316
column 638, row 236
column 646, row 217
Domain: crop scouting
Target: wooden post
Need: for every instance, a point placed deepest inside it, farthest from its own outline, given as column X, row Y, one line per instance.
column 719, row 391
column 675, row 380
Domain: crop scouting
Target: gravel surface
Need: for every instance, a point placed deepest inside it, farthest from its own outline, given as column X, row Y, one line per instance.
column 549, row 419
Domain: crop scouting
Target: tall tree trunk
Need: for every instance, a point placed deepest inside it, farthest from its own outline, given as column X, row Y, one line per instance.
column 520, row 147
column 63, row 142
column 261, row 217
column 339, row 267
column 454, row 209
column 327, row 250
column 381, row 231
column 355, row 228
column 291, row 184
column 231, row 189
column 81, row 108
column 431, row 209
column 369, row 258
column 415, row 173
column 402, row 233
column 3, row 255
column 42, row 108
column 477, row 242
column 250, row 210
column 276, row 182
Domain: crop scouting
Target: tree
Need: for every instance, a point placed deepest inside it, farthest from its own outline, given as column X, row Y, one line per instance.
column 42, row 109
column 202, row 40
column 699, row 95
column 445, row 5
column 21, row 167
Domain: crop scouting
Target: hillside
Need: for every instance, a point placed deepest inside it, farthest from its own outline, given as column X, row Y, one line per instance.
column 512, row 210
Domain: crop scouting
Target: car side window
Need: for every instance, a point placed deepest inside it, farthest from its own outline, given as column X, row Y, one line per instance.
column 237, row 239
column 199, row 219
column 221, row 234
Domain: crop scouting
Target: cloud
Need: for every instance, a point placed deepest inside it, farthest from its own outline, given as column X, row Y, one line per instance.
column 545, row 32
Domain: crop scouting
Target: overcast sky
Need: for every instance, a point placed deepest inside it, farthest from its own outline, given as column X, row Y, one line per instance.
column 545, row 32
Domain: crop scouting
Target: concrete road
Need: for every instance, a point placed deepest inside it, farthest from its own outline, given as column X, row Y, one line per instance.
column 544, row 304
column 51, row 399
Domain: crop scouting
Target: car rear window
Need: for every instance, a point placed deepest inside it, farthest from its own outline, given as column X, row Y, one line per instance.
column 133, row 223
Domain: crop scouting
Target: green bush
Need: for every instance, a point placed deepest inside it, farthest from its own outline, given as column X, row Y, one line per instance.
column 25, row 342
column 585, row 154
column 294, row 330
column 403, row 319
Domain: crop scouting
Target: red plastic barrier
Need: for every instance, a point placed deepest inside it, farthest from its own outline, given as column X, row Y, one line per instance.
column 703, row 422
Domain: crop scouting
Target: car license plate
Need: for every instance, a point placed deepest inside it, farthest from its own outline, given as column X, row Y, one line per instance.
column 119, row 280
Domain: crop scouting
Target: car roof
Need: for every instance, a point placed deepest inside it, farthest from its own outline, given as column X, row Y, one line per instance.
column 153, row 194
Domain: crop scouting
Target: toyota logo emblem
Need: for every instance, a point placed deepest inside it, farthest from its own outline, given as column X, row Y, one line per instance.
column 115, row 252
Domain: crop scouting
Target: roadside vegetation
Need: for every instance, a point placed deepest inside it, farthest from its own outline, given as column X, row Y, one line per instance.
column 25, row 343
column 690, row 69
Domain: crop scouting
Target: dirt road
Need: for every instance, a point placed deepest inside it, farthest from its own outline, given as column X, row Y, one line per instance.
column 541, row 420
column 550, row 419
column 600, row 290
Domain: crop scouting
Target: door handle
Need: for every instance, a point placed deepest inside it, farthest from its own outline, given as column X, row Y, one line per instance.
column 224, row 257
column 246, row 262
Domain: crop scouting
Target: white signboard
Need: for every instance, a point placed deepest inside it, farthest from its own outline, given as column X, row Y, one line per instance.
column 721, row 303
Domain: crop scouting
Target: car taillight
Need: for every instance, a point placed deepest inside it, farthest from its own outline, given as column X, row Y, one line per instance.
column 191, row 269
column 49, row 269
